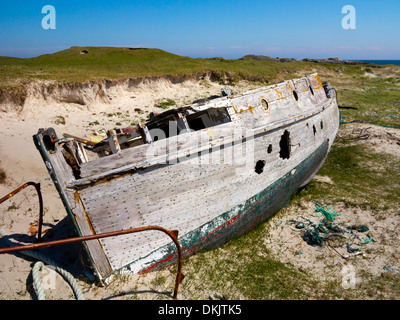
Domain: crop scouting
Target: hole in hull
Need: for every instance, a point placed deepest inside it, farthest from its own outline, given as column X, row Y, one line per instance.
column 264, row 105
column 260, row 166
column 284, row 145
column 295, row 95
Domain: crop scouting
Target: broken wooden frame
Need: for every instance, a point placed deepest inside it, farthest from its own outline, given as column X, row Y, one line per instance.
column 173, row 234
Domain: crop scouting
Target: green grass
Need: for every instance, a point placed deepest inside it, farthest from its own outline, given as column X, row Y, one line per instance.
column 3, row 175
column 377, row 105
column 243, row 269
column 60, row 120
column 370, row 99
column 165, row 104
column 360, row 178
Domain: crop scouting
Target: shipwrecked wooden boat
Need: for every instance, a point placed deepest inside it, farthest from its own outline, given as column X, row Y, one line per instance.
column 211, row 170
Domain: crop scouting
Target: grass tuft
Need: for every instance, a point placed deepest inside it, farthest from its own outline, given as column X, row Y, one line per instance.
column 165, row 104
column 3, row 175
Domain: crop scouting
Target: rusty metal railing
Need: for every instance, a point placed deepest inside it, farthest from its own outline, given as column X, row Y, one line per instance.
column 39, row 193
column 173, row 234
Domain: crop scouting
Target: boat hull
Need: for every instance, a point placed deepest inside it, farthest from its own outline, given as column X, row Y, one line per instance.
column 211, row 185
column 238, row 220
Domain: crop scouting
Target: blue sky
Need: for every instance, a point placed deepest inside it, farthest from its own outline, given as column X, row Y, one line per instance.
column 291, row 28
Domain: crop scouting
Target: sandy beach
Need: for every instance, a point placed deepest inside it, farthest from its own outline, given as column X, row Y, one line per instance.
column 22, row 163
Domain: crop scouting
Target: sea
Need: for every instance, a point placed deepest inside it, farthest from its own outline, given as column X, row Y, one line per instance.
column 397, row 62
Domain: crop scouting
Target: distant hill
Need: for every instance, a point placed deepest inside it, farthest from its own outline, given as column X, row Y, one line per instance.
column 277, row 59
column 80, row 64
column 267, row 58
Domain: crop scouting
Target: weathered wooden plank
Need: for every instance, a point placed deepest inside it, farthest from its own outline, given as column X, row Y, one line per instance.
column 64, row 174
column 280, row 96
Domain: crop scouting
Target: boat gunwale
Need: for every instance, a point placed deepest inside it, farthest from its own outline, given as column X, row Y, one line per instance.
column 166, row 158
column 200, row 105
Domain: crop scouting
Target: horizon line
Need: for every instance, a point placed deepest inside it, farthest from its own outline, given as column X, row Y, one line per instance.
column 193, row 56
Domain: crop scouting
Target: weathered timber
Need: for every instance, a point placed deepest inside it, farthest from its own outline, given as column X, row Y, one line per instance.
column 211, row 170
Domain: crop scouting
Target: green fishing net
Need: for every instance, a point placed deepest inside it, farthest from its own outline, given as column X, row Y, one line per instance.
column 327, row 229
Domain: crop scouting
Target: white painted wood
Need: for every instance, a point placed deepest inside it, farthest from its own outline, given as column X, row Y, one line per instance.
column 64, row 174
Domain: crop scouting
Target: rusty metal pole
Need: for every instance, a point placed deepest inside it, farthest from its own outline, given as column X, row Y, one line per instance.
column 173, row 234
column 37, row 187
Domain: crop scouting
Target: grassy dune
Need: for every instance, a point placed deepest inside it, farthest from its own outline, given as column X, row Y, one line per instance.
column 360, row 86
column 115, row 63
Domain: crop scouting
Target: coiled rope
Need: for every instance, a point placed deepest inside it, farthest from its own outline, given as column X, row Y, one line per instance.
column 40, row 264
